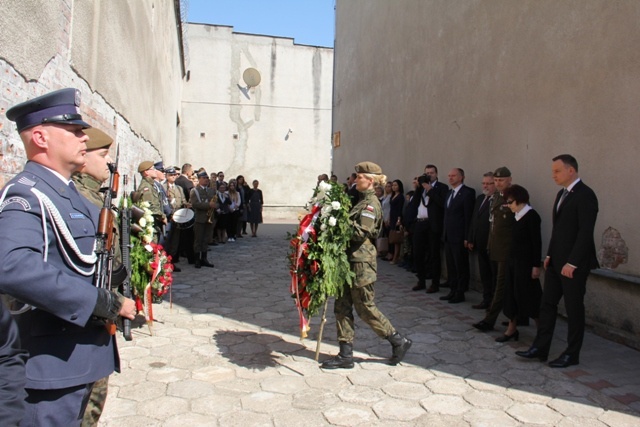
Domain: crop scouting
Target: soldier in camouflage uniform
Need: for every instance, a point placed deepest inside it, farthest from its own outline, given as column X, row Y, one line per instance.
column 88, row 182
column 366, row 219
column 149, row 192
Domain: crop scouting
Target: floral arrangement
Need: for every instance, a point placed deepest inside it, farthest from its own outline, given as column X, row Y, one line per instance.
column 150, row 265
column 318, row 260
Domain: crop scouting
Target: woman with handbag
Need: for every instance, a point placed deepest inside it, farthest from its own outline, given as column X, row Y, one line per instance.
column 396, row 233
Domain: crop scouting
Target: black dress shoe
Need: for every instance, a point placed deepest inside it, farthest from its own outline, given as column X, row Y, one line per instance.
column 457, row 298
column 533, row 353
column 419, row 287
column 433, row 289
column 483, row 326
column 481, row 306
column 176, row 269
column 564, row 361
column 504, row 338
column 448, row 296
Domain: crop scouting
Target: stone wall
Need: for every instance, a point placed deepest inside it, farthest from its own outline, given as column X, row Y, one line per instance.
column 123, row 56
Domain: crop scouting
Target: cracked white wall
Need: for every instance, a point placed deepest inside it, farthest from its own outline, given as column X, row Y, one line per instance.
column 228, row 127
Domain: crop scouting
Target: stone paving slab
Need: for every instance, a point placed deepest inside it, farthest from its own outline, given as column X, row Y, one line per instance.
column 226, row 352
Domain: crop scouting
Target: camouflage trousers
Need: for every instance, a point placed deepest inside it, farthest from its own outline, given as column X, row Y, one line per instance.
column 96, row 403
column 360, row 298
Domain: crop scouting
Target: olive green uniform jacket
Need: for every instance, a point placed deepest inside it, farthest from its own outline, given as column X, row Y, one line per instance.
column 502, row 220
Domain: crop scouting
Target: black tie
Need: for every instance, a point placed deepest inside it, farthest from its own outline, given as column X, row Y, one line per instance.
column 450, row 198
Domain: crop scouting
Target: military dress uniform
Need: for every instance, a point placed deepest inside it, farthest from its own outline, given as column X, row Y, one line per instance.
column 366, row 221
column 54, row 275
column 47, row 238
column 499, row 247
column 201, row 199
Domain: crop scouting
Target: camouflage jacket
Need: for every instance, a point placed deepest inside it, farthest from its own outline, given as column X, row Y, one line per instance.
column 149, row 193
column 366, row 220
column 89, row 187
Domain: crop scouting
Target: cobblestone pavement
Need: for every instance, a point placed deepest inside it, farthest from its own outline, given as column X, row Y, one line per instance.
column 227, row 353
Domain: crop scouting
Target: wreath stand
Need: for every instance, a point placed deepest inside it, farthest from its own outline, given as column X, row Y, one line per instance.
column 322, row 322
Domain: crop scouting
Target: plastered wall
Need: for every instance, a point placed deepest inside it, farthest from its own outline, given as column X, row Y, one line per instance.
column 479, row 84
column 278, row 132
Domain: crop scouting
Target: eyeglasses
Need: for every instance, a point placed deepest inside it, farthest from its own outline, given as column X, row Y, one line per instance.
column 510, row 201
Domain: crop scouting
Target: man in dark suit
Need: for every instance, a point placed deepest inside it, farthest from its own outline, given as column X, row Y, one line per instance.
column 352, row 191
column 570, row 258
column 479, row 239
column 457, row 221
column 425, row 216
column 47, row 239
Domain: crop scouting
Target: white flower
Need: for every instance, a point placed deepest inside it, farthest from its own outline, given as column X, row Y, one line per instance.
column 332, row 221
column 335, row 205
column 142, row 222
column 324, row 186
column 323, row 227
column 326, row 210
column 145, row 204
column 148, row 216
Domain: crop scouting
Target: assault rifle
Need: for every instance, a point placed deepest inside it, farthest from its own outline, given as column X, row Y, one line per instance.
column 105, row 237
column 125, row 246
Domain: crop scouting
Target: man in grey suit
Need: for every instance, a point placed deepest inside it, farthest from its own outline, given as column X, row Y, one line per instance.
column 47, row 237
column 570, row 258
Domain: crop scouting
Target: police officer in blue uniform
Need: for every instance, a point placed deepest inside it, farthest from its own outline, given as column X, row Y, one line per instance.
column 47, row 237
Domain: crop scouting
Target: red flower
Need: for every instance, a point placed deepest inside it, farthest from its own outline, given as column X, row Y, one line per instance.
column 305, row 299
column 314, row 267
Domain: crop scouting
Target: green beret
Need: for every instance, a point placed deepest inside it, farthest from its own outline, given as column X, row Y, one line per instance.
column 502, row 172
column 145, row 166
column 97, row 139
column 368, row 167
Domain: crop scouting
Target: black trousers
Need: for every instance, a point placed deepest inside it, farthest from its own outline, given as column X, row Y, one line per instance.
column 426, row 253
column 555, row 287
column 487, row 278
column 457, row 257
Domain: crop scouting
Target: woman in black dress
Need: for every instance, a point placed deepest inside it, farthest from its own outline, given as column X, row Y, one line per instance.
column 522, row 292
column 395, row 217
column 255, row 208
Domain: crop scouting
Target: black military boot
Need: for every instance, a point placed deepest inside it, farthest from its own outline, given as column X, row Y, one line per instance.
column 343, row 360
column 400, row 345
column 203, row 260
column 198, row 260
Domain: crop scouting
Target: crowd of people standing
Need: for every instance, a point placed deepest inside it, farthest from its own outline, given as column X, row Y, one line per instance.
column 209, row 211
column 504, row 231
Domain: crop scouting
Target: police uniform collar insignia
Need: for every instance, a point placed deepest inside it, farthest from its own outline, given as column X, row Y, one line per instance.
column 76, row 215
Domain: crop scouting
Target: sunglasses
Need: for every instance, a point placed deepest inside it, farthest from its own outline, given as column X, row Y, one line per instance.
column 510, row 201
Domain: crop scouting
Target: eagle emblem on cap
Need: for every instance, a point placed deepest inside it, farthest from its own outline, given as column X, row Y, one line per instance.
column 77, row 100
